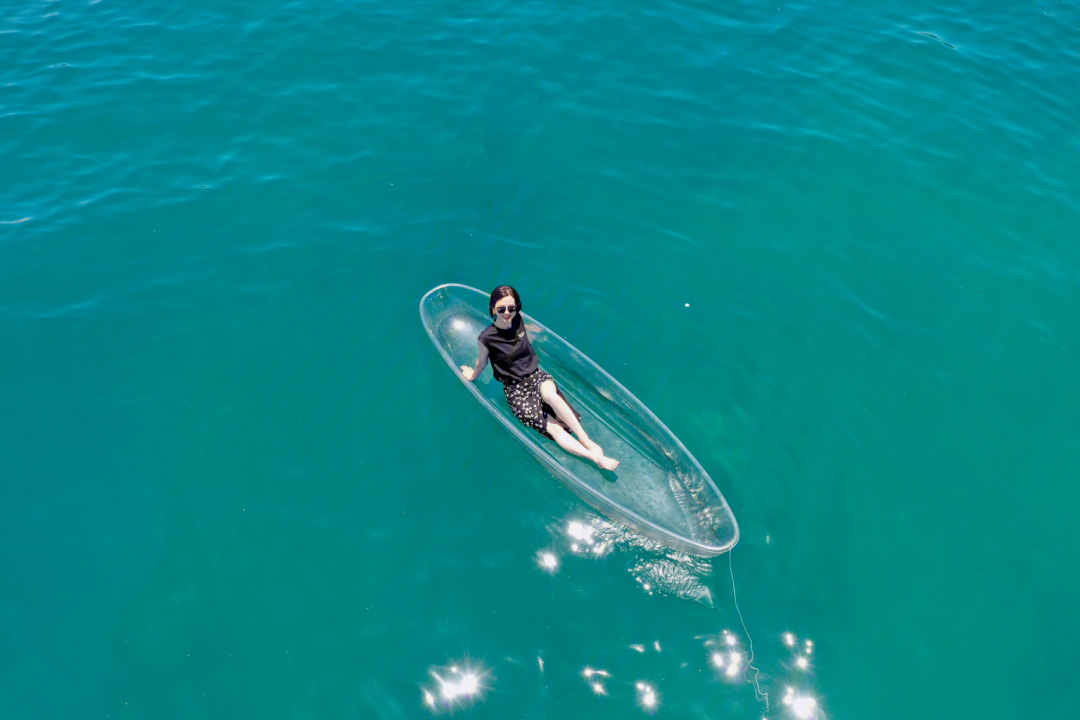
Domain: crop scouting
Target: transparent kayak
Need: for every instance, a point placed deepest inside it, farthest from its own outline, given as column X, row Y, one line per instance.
column 659, row 489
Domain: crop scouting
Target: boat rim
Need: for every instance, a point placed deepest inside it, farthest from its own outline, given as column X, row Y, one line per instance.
column 707, row 550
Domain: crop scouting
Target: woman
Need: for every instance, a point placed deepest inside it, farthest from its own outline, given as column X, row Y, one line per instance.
column 530, row 391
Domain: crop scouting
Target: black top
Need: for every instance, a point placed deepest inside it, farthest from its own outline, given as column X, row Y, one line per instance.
column 510, row 351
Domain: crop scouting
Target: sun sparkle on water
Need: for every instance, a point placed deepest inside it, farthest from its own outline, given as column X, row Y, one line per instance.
column 548, row 561
column 803, row 706
column 455, row 685
column 647, row 696
column 458, row 684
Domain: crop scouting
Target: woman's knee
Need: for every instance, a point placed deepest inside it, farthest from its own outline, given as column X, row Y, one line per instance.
column 548, row 390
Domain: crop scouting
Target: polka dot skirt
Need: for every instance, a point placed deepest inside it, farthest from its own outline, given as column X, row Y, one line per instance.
column 524, row 399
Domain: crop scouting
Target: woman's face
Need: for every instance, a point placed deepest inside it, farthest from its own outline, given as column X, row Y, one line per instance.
column 502, row 308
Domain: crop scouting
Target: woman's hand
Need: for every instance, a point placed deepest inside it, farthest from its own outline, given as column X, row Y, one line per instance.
column 471, row 373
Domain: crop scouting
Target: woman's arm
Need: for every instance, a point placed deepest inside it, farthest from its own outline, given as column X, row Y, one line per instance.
column 471, row 373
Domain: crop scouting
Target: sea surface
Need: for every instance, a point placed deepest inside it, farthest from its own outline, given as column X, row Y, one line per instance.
column 834, row 246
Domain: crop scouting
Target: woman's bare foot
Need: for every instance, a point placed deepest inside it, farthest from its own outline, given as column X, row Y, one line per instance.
column 604, row 462
column 599, row 458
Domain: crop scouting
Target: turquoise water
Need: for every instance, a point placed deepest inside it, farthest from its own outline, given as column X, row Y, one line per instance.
column 833, row 248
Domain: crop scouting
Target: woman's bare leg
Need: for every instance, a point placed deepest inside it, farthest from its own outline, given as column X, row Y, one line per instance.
column 551, row 396
column 569, row 443
column 562, row 410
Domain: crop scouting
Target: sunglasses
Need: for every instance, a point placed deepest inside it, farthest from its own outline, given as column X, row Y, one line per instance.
column 509, row 308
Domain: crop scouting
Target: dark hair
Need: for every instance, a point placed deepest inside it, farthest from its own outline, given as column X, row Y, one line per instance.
column 498, row 294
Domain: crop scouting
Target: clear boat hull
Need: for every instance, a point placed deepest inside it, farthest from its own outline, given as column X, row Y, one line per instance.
column 659, row 489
